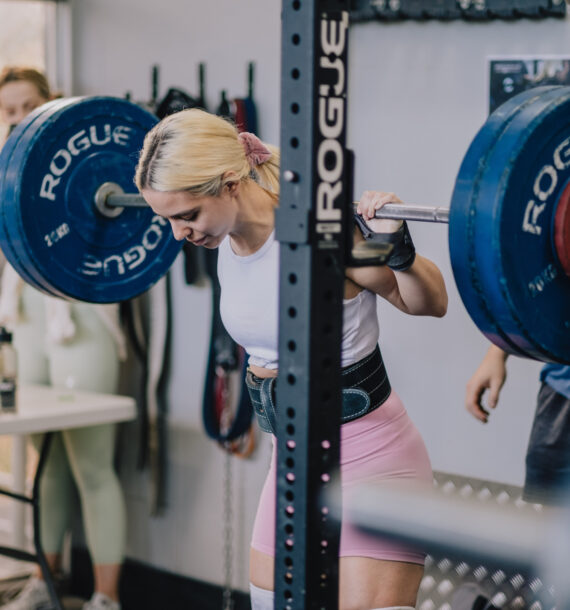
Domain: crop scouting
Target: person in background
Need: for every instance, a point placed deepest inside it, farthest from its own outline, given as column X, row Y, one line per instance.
column 21, row 91
column 219, row 189
column 74, row 346
column 547, row 476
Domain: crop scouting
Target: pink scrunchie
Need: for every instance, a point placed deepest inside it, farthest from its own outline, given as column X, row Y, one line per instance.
column 255, row 150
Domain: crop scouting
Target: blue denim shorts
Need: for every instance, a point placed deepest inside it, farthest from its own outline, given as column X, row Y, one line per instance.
column 548, row 454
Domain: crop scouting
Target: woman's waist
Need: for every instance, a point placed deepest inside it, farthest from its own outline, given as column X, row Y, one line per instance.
column 264, row 366
column 261, row 372
column 351, row 373
column 365, row 386
column 368, row 375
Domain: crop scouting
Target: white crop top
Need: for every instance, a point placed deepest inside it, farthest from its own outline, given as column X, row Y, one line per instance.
column 249, row 306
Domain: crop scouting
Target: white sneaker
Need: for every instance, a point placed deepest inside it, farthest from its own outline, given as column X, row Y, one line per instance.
column 34, row 596
column 100, row 601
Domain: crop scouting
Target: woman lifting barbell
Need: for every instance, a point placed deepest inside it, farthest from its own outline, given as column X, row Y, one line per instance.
column 219, row 189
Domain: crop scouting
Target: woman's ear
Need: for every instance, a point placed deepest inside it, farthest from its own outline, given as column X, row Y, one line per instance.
column 231, row 183
column 232, row 188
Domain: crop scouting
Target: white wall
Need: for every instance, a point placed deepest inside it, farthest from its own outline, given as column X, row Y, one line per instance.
column 418, row 94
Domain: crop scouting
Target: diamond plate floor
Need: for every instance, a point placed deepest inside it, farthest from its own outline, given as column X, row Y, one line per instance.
column 456, row 585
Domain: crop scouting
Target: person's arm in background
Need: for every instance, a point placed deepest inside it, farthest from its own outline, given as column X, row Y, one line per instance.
column 490, row 375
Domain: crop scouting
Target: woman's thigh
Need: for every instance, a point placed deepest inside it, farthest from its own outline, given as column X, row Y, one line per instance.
column 384, row 446
column 261, row 566
column 91, row 451
column 364, row 583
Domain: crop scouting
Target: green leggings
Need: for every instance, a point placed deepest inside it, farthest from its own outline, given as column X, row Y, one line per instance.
column 82, row 456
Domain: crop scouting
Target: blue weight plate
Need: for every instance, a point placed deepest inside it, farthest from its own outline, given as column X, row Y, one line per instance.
column 514, row 254
column 25, row 265
column 77, row 250
column 28, row 137
column 11, row 170
column 465, row 191
column 6, row 154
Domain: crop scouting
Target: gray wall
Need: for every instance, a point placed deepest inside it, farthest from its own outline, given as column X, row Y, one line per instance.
column 418, row 93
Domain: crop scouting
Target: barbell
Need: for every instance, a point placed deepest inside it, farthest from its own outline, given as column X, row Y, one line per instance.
column 72, row 227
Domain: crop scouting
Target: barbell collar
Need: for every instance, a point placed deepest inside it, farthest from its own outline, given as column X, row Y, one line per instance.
column 110, row 200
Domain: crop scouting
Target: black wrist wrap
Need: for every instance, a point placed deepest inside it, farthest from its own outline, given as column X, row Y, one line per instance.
column 403, row 253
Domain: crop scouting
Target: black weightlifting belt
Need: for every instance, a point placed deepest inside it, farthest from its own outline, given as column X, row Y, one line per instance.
column 365, row 386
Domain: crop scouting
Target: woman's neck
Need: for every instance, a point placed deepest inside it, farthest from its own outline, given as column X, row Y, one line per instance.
column 255, row 220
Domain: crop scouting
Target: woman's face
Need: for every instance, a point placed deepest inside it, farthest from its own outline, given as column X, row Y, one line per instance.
column 203, row 221
column 18, row 99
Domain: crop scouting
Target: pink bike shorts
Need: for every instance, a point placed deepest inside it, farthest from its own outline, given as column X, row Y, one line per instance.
column 383, row 445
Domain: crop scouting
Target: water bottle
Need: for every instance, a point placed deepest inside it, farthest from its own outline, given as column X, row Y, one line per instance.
column 8, row 372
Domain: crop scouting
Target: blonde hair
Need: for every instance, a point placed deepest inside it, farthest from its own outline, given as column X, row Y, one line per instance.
column 193, row 150
column 14, row 74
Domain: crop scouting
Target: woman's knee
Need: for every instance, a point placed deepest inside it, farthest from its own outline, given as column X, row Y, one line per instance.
column 56, row 465
column 90, row 452
column 93, row 477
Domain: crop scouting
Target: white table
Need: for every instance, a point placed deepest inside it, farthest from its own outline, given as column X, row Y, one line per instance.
column 47, row 409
